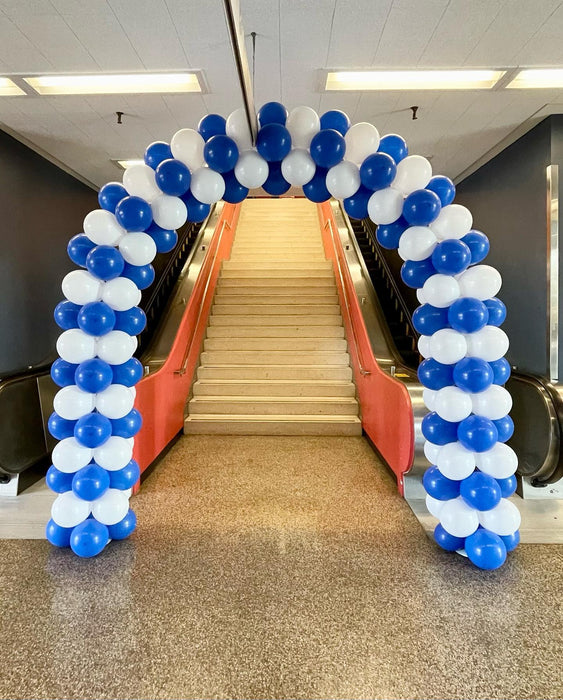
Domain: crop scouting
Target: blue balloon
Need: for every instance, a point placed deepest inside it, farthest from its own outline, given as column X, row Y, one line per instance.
column 478, row 244
column 92, row 430
column 434, row 375
column 89, row 538
column 221, row 153
column 443, row 187
column 62, row 372
column 90, row 482
column 421, row 208
column 501, row 370
column 388, row 234
column 275, row 184
column 96, row 318
column 173, row 177
column 234, row 191
column 438, row 430
column 505, row 428
column 428, row 319
column 128, row 426
column 125, row 478
column 468, row 315
column 57, row 481
column 60, row 428
column 78, row 248
column 110, row 195
column 66, row 315
column 395, row 146
column 480, row 491
column 272, row 113
column 273, row 142
column 485, row 549
column 450, row 257
column 123, row 528
column 105, row 262
column 497, row 311
column 438, row 486
column 356, row 206
column 93, row 375
column 133, row 321
column 129, row 373
column 377, row 171
column 211, row 125
column 508, row 485
column 473, row 374
column 337, row 120
column 447, row 541
column 134, row 214
column 414, row 273
column 511, row 541
column 327, row 148
column 57, row 535
column 197, row 211
column 142, row 275
column 316, row 190
column 165, row 239
column 157, row 152
column 477, row 433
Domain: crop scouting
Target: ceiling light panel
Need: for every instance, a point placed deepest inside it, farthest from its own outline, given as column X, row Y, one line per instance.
column 413, row 80
column 135, row 83
column 538, row 78
column 8, row 87
column 129, row 162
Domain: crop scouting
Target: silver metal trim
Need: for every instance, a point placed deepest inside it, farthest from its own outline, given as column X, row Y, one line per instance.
column 552, row 173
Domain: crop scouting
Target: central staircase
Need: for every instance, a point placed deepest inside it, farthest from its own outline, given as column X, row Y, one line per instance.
column 275, row 359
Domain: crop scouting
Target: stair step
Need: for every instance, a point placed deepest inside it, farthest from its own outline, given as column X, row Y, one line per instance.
column 274, row 357
column 281, row 272
column 284, row 343
column 201, row 424
column 298, row 265
column 307, row 309
column 273, row 406
column 272, row 387
column 267, row 372
column 278, row 282
column 277, row 320
column 276, row 331
column 265, row 299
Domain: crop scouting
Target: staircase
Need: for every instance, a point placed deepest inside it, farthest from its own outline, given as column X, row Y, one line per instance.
column 275, row 359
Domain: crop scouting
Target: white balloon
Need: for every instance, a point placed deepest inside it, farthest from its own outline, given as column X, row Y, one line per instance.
column 187, row 146
column 429, row 398
column 298, row 167
column 68, row 510
column 72, row 403
column 481, row 282
column 424, row 346
column 116, row 347
column 448, row 347
column 493, row 403
column 452, row 404
column 114, row 454
column 121, row 293
column 112, row 507
column 417, row 243
column 343, row 180
column 458, row 518
column 137, row 248
column 434, row 506
column 302, row 123
column 431, row 451
column 115, row 402
column 421, row 296
column 490, row 343
column 207, row 186
column 504, row 519
column 69, row 455
column 252, row 170
column 75, row 346
column 133, row 392
column 102, row 228
column 169, row 212
column 237, row 128
column 441, row 291
column 413, row 173
column 455, row 462
column 80, row 287
column 362, row 140
column 139, row 181
column 500, row 461
column 453, row 221
column 385, row 206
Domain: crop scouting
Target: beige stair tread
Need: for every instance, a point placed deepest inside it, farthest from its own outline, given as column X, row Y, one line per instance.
column 296, row 344
column 267, row 372
column 335, row 331
column 274, row 320
column 273, row 357
column 261, row 281
column 310, row 309
column 264, row 299
column 277, row 273
column 272, row 387
column 273, row 405
column 273, row 265
column 272, row 425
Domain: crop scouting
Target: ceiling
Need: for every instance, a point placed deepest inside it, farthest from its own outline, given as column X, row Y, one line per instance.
column 295, row 40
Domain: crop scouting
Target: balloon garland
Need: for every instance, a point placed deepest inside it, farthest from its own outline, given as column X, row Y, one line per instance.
column 464, row 372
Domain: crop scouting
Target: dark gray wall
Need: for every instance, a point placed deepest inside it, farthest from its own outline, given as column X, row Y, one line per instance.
column 41, row 207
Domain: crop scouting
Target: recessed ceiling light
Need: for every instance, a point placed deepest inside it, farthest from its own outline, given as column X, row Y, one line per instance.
column 135, row 83
column 128, row 163
column 538, row 78
column 413, row 80
column 8, row 87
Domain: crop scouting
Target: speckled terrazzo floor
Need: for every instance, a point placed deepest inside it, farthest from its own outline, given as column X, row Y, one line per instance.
column 277, row 568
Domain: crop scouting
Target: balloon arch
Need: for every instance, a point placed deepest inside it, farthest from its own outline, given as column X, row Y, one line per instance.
column 463, row 374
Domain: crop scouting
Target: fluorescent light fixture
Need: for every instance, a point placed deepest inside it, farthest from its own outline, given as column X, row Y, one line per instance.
column 413, row 80
column 108, row 84
column 8, row 87
column 128, row 163
column 538, row 78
